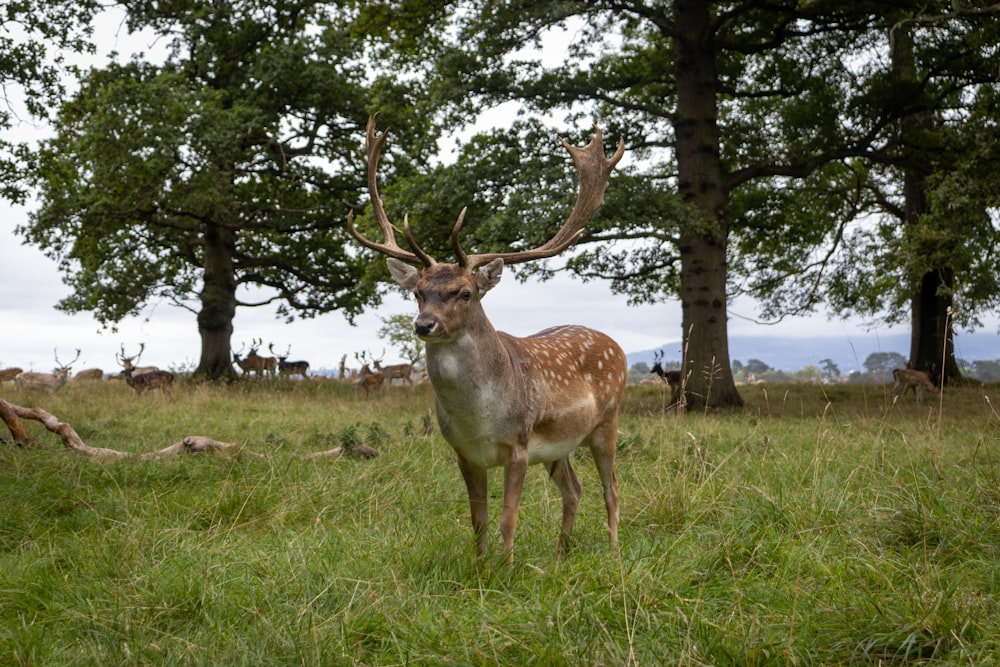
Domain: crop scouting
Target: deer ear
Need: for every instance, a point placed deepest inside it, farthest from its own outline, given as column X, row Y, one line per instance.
column 489, row 275
column 403, row 273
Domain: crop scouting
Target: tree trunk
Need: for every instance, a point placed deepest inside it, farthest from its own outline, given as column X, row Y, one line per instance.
column 932, row 344
column 708, row 377
column 931, row 336
column 218, row 305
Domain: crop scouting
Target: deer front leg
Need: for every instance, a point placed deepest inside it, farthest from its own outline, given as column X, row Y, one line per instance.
column 514, row 472
column 475, row 484
column 562, row 474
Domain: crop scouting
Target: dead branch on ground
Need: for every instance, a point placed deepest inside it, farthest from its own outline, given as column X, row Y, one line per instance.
column 192, row 444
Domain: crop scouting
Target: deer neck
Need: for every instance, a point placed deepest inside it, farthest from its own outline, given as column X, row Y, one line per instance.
column 472, row 366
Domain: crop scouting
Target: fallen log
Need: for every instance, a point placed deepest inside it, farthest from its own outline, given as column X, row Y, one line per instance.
column 196, row 444
column 192, row 444
column 68, row 434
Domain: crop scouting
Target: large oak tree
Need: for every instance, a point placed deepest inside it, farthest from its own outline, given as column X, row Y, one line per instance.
column 916, row 234
column 219, row 176
column 717, row 101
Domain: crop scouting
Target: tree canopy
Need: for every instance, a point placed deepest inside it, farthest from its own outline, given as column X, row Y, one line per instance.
column 221, row 177
column 36, row 38
column 712, row 100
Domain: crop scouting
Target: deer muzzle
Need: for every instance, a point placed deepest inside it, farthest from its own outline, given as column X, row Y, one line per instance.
column 426, row 325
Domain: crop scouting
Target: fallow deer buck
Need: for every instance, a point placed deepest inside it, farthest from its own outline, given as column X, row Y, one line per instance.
column 253, row 362
column 290, row 368
column 672, row 377
column 128, row 362
column 367, row 380
column 151, row 377
column 507, row 401
column 907, row 379
column 50, row 382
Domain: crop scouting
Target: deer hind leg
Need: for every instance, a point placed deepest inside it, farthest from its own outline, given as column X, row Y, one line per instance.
column 569, row 486
column 603, row 442
column 475, row 484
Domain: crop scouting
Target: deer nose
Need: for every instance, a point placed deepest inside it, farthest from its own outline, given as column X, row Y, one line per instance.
column 424, row 324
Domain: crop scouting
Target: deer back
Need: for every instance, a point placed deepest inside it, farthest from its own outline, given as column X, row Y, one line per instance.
column 154, row 379
column 51, row 382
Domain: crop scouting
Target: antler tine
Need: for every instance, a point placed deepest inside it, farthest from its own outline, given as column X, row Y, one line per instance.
column 463, row 260
column 424, row 258
column 593, row 169
column 373, row 147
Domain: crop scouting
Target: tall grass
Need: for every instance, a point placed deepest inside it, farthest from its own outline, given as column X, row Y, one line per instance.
column 817, row 525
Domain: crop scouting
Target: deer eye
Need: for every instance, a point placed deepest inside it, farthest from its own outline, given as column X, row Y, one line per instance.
column 466, row 294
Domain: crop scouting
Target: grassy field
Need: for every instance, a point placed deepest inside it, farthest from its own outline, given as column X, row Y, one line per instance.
column 817, row 525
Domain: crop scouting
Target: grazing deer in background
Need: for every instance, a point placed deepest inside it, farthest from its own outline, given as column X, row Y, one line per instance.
column 395, row 371
column 50, row 382
column 253, row 362
column 367, row 379
column 672, row 378
column 507, row 401
column 290, row 368
column 9, row 374
column 907, row 379
column 89, row 375
column 150, row 378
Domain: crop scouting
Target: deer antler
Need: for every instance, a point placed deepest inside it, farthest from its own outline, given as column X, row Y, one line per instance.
column 593, row 168
column 373, row 146
column 61, row 364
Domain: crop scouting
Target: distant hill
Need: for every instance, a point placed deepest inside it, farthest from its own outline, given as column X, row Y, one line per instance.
column 788, row 353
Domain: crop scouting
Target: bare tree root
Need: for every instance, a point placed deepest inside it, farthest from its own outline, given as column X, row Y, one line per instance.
column 192, row 444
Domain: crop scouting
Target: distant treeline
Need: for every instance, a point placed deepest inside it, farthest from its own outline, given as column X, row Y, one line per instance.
column 878, row 368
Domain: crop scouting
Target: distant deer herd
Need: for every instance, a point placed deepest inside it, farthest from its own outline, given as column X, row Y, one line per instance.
column 368, row 379
column 252, row 366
